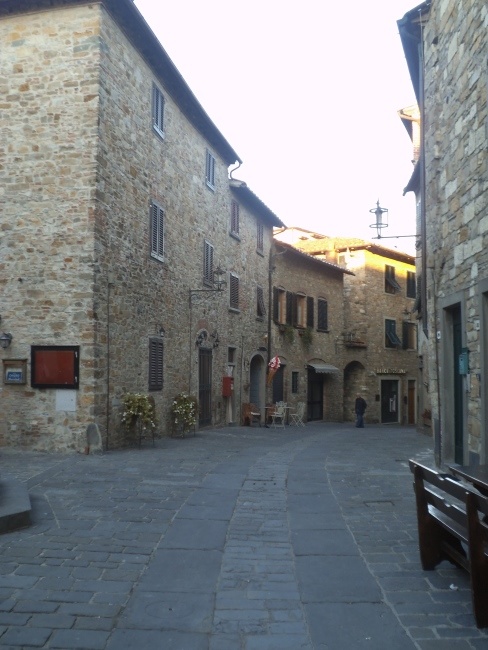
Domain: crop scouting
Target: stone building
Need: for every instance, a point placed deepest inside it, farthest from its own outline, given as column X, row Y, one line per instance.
column 118, row 217
column 307, row 322
column 378, row 339
column 445, row 45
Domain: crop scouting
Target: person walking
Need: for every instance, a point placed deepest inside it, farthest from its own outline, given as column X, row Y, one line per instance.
column 359, row 408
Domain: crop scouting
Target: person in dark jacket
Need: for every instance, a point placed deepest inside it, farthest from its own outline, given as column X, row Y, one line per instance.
column 359, row 408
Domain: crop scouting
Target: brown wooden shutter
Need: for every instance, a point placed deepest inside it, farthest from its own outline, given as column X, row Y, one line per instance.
column 310, row 311
column 276, row 304
column 156, row 349
column 289, row 308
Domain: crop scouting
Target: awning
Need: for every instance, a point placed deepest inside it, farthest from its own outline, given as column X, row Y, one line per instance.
column 327, row 368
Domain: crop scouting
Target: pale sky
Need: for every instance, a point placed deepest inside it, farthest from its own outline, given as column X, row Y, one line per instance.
column 308, row 94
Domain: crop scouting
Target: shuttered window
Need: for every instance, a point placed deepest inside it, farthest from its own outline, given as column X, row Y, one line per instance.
column 322, row 315
column 310, row 311
column 411, row 285
column 391, row 285
column 156, row 349
column 289, row 308
column 157, row 232
column 391, row 338
column 158, row 110
column 208, row 263
column 261, row 308
column 234, row 218
column 260, row 238
column 210, row 170
column 234, row 292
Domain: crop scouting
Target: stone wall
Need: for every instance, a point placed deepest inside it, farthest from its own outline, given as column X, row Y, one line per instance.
column 456, row 132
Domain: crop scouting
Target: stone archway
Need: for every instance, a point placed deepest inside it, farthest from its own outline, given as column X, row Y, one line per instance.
column 354, row 383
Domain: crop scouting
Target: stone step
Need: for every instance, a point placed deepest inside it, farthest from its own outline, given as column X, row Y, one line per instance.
column 15, row 505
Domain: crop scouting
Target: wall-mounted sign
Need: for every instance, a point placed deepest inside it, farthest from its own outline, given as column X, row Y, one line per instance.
column 14, row 371
column 390, row 371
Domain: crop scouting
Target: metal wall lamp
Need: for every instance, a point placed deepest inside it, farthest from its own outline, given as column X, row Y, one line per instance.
column 218, row 284
column 381, row 222
column 5, row 340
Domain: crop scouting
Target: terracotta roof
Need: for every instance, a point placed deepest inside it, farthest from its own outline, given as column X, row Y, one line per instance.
column 313, row 258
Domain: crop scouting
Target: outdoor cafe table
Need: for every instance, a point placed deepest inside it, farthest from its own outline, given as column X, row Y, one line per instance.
column 477, row 475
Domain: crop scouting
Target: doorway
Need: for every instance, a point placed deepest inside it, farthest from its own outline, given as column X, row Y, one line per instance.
column 315, row 397
column 205, row 386
column 389, row 401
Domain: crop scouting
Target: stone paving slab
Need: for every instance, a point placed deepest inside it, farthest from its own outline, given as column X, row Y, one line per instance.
column 235, row 539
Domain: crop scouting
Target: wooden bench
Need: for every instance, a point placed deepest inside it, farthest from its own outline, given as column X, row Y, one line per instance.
column 451, row 514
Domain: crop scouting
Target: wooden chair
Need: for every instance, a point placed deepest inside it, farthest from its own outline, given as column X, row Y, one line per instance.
column 298, row 415
column 250, row 414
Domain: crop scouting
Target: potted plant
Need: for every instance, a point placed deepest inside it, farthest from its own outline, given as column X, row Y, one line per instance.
column 138, row 414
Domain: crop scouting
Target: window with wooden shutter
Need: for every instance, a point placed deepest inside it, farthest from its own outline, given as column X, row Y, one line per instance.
column 208, row 263
column 391, row 285
column 411, row 285
column 261, row 308
column 210, row 170
column 391, row 338
column 310, row 311
column 409, row 335
column 289, row 308
column 156, row 349
column 234, row 292
column 260, row 238
column 322, row 315
column 234, row 218
column 158, row 110
column 157, row 232
column 300, row 310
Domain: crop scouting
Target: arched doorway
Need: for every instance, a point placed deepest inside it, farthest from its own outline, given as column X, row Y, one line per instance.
column 257, row 378
column 354, row 383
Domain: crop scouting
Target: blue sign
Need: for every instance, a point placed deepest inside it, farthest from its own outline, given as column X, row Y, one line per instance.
column 14, row 375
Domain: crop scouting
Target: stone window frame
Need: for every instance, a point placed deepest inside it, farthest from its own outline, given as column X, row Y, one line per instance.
column 158, row 103
column 157, row 231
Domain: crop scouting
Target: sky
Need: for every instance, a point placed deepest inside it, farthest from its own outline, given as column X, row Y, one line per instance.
column 307, row 93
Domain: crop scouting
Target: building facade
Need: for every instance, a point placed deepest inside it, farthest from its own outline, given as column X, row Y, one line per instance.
column 129, row 261
column 378, row 339
column 445, row 45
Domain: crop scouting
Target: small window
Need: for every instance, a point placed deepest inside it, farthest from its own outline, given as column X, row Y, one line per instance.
column 234, row 292
column 310, row 311
column 157, row 232
column 156, row 349
column 234, row 218
column 158, row 110
column 294, row 382
column 411, row 285
column 391, row 337
column 322, row 315
column 409, row 336
column 55, row 366
column 210, row 170
column 208, row 263
column 260, row 238
column 279, row 305
column 261, row 308
column 391, row 285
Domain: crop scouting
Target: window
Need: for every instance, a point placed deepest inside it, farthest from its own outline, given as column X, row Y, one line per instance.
column 234, row 292
column 310, row 311
column 156, row 349
column 411, row 285
column 234, row 218
column 261, row 308
column 409, row 336
column 210, row 170
column 158, row 110
column 279, row 305
column 391, row 338
column 208, row 267
column 322, row 316
column 260, row 238
column 157, row 232
column 391, row 285
column 55, row 366
column 294, row 382
column 289, row 319
column 301, row 310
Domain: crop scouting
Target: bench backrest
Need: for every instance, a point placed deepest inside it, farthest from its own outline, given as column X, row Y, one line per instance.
column 467, row 497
